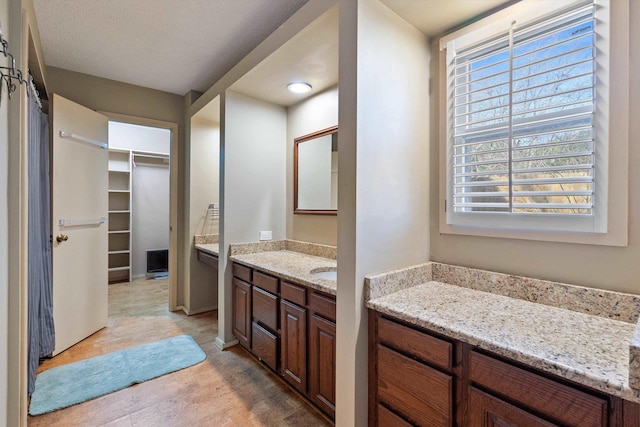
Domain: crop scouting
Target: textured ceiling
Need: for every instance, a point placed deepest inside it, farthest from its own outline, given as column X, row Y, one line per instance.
column 170, row 45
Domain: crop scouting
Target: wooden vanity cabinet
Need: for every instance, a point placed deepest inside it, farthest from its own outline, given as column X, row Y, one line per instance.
column 322, row 363
column 241, row 320
column 417, row 377
column 294, row 344
column 291, row 328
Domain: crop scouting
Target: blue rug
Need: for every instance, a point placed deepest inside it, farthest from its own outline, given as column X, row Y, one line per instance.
column 78, row 382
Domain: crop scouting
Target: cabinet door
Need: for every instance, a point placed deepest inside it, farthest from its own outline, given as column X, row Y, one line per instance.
column 488, row 411
column 293, row 325
column 322, row 363
column 242, row 312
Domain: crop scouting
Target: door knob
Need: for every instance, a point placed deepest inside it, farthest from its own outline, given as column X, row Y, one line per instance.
column 62, row 238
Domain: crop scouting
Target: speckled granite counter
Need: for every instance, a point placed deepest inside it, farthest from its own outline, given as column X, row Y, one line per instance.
column 210, row 248
column 593, row 350
column 289, row 265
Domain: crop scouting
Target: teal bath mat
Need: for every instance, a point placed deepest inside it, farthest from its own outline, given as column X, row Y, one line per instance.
column 78, row 382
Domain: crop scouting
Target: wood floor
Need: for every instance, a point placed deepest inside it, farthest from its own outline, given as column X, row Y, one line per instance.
column 228, row 389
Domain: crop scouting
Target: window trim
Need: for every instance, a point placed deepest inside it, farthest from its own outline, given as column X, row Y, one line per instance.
column 614, row 160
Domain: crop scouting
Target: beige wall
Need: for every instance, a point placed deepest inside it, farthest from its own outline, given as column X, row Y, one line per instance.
column 605, row 267
column 204, row 173
column 383, row 224
column 116, row 97
column 253, row 176
column 311, row 115
column 4, row 232
column 122, row 98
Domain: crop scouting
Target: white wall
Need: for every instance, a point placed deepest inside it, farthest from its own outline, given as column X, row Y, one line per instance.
column 605, row 267
column 383, row 175
column 253, row 175
column 150, row 212
column 311, row 115
column 139, row 138
column 204, row 173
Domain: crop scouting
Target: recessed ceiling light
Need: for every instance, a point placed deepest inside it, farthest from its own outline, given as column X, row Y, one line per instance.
column 299, row 87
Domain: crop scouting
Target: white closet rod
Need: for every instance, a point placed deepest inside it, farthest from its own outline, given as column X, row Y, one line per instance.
column 64, row 134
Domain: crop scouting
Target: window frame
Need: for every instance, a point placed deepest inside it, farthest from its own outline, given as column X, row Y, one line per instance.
column 609, row 225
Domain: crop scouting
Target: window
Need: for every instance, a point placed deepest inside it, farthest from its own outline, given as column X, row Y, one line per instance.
column 527, row 129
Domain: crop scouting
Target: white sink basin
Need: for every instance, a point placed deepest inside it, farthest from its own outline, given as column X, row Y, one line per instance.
column 325, row 273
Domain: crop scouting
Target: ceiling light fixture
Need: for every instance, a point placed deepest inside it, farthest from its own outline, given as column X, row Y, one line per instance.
column 299, row 87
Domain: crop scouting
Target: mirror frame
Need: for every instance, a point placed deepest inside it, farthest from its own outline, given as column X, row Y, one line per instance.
column 296, row 141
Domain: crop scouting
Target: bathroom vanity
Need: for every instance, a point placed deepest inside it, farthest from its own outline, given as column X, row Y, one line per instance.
column 481, row 352
column 284, row 314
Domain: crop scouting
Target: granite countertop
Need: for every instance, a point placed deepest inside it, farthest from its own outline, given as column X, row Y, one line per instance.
column 584, row 348
column 293, row 266
column 210, row 248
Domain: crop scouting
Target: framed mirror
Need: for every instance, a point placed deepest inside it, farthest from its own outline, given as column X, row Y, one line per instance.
column 315, row 173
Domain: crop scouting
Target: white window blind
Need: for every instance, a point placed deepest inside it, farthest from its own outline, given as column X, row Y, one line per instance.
column 521, row 108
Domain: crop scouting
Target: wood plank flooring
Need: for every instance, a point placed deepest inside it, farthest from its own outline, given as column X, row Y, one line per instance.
column 228, row 389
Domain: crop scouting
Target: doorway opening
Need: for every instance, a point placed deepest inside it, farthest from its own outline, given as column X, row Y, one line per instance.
column 139, row 202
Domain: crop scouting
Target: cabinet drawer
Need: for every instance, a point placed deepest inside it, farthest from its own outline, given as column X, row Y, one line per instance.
column 323, row 305
column 264, row 345
column 418, row 344
column 207, row 258
column 265, row 308
column 294, row 293
column 388, row 418
column 487, row 410
column 418, row 392
column 566, row 405
column 242, row 272
column 266, row 282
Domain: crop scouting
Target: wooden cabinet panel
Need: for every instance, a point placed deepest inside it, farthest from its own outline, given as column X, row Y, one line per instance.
column 488, row 411
column 418, row 344
column 566, row 405
column 265, row 345
column 207, row 258
column 294, row 344
column 265, row 308
column 322, row 363
column 387, row 418
column 266, row 282
column 242, row 272
column 242, row 312
column 418, row 392
column 294, row 293
column 324, row 305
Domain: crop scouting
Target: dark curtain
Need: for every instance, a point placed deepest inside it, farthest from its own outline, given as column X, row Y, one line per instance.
column 40, row 314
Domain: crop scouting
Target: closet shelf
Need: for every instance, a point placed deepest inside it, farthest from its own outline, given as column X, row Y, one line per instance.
column 119, row 171
column 119, row 268
column 118, row 252
column 119, row 191
column 120, row 211
column 119, row 231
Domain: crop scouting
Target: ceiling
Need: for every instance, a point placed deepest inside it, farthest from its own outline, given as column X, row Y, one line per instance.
column 169, row 45
column 182, row 45
column 310, row 56
column 434, row 17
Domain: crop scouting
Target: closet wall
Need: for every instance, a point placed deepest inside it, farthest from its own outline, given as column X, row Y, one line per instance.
column 150, row 184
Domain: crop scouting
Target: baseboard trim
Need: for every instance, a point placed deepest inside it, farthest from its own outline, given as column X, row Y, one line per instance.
column 225, row 345
column 198, row 311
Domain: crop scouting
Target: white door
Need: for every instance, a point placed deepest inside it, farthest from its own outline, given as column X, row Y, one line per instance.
column 79, row 199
